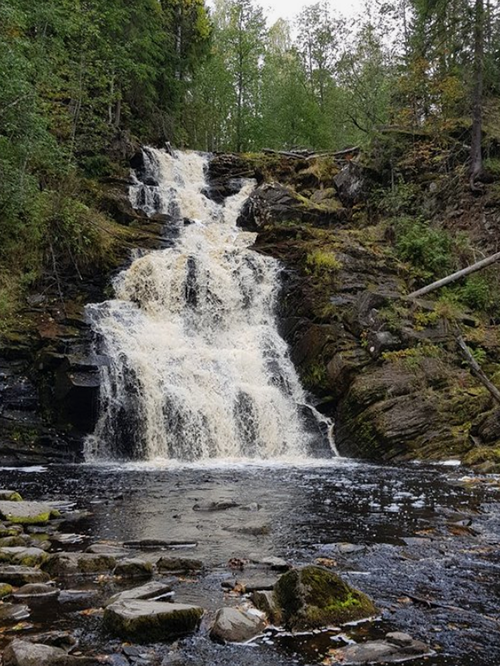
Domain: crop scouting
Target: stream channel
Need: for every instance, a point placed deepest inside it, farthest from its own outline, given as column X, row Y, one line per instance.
column 423, row 541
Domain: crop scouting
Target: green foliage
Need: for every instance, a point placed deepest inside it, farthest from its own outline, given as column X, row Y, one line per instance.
column 424, row 246
column 478, row 294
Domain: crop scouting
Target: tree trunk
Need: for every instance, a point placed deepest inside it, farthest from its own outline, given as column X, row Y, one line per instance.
column 476, row 162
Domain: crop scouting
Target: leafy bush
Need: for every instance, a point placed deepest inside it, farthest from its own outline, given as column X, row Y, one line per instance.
column 425, row 247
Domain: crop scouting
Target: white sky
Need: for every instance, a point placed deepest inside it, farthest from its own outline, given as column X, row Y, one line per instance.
column 288, row 9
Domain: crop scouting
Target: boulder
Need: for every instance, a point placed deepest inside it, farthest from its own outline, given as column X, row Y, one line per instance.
column 133, row 568
column 179, row 564
column 26, row 513
column 314, row 597
column 236, row 626
column 150, row 621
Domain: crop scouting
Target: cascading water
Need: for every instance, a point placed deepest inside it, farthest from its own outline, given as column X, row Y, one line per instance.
column 196, row 367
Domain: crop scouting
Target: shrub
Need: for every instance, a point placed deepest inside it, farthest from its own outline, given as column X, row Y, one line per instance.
column 425, row 247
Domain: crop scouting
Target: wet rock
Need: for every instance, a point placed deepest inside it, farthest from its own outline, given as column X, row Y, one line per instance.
column 351, row 184
column 10, row 530
column 115, row 550
column 134, row 568
column 314, row 597
column 20, row 575
column 179, row 564
column 149, row 621
column 155, row 544
column 60, row 639
column 221, row 505
column 151, row 590
column 64, row 564
column 27, row 513
column 10, row 541
column 36, row 592
column 253, row 506
column 236, row 626
column 23, row 653
column 10, row 496
column 275, row 563
column 265, row 601
column 29, row 557
column 117, row 660
column 251, row 583
column 350, row 548
column 395, row 648
column 13, row 612
column 272, row 203
column 5, row 590
column 253, row 529
column 78, row 599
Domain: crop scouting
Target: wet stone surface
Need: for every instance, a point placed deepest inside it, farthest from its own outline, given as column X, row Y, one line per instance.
column 422, row 541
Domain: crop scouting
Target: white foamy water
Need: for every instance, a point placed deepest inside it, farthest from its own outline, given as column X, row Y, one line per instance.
column 197, row 369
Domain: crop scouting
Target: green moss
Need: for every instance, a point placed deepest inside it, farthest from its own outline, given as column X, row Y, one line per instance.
column 5, row 590
column 314, row 597
column 30, row 520
column 320, row 261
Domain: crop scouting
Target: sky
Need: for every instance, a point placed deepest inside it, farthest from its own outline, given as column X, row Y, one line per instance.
column 288, row 9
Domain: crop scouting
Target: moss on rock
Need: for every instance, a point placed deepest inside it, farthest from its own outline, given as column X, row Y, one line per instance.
column 314, row 597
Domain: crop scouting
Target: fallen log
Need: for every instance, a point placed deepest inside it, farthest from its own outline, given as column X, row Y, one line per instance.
column 455, row 276
column 476, row 368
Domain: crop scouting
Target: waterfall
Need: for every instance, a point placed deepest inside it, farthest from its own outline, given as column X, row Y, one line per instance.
column 196, row 367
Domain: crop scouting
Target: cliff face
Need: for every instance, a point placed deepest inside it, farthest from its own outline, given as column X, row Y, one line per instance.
column 355, row 234
column 387, row 369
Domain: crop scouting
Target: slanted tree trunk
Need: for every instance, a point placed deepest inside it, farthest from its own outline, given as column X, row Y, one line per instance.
column 476, row 161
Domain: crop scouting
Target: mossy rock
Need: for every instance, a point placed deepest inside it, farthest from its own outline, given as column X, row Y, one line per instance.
column 10, row 496
column 5, row 590
column 314, row 597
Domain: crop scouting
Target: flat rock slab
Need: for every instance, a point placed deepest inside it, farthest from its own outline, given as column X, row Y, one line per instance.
column 23, row 653
column 19, row 575
column 149, row 591
column 13, row 612
column 70, row 564
column 396, row 647
column 179, row 564
column 29, row 557
column 250, row 583
column 150, row 621
column 236, row 626
column 27, row 513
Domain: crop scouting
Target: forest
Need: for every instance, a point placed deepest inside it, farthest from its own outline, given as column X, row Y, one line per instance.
column 82, row 79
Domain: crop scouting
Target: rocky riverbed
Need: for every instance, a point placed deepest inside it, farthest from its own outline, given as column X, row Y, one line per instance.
column 148, row 565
